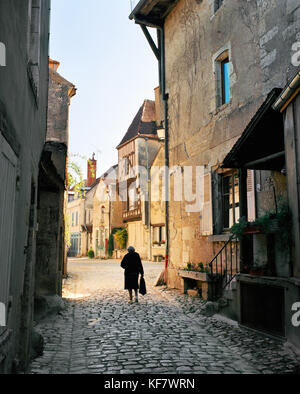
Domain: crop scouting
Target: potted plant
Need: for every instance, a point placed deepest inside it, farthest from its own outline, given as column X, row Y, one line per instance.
column 238, row 229
column 91, row 254
column 279, row 222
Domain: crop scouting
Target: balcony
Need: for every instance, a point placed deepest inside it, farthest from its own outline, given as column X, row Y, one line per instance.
column 135, row 213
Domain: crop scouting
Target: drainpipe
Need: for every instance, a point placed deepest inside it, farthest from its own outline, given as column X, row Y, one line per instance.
column 288, row 94
column 165, row 97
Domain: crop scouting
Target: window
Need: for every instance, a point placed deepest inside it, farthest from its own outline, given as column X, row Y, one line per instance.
column 34, row 38
column 218, row 4
column 159, row 235
column 2, row 55
column 73, row 219
column 132, row 197
column 222, row 72
column 230, row 200
column 76, row 218
column 97, row 242
column 225, row 81
column 226, row 199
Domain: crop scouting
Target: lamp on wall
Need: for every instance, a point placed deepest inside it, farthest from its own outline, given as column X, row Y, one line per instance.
column 161, row 132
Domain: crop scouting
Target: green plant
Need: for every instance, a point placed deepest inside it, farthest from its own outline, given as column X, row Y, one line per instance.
column 75, row 180
column 110, row 245
column 201, row 267
column 67, row 231
column 271, row 222
column 111, row 241
column 121, row 237
column 189, row 266
column 91, row 254
column 238, row 228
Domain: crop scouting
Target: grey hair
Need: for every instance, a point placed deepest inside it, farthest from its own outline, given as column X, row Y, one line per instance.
column 131, row 249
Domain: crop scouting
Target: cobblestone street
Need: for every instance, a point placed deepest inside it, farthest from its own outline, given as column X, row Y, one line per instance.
column 99, row 332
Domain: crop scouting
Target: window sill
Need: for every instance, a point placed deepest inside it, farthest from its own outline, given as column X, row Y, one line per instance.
column 223, row 107
column 33, row 75
column 215, row 12
column 219, row 237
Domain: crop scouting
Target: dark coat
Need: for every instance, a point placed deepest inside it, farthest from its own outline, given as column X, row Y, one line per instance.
column 132, row 265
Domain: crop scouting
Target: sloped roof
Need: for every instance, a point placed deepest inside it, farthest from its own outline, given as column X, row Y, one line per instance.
column 153, row 12
column 262, row 138
column 108, row 172
column 55, row 76
column 143, row 123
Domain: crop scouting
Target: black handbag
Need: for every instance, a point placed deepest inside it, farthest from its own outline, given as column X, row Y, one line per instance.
column 142, row 286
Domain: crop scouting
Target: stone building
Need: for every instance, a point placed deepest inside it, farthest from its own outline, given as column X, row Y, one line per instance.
column 107, row 211
column 23, row 126
column 51, row 264
column 268, row 281
column 157, row 207
column 136, row 153
column 79, row 213
column 217, row 80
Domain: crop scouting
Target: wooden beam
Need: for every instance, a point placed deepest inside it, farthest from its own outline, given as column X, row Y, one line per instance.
column 264, row 159
column 148, row 7
column 151, row 42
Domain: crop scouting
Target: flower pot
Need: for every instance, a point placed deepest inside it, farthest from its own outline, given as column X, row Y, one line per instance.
column 252, row 230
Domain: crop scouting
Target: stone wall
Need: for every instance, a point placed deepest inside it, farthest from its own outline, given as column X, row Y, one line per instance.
column 201, row 133
column 23, row 105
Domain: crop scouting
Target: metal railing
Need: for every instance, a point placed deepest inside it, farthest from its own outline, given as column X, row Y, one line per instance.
column 226, row 264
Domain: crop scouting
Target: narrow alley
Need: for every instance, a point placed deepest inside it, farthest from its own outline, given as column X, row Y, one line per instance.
column 99, row 332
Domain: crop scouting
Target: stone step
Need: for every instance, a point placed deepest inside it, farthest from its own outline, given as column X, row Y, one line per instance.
column 228, row 294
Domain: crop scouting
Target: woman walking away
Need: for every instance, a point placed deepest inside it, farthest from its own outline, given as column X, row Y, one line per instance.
column 132, row 265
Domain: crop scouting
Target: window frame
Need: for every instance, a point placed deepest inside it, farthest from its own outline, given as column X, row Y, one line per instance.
column 158, row 231
column 217, row 5
column 34, row 45
column 220, row 59
column 223, row 82
column 233, row 175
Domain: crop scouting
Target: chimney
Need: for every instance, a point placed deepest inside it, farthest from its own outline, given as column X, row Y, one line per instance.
column 91, row 171
column 53, row 64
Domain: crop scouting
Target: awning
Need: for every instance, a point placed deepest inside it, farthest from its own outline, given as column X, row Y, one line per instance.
column 261, row 146
column 153, row 12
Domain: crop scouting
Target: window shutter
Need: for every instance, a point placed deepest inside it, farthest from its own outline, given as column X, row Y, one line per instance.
column 251, row 196
column 206, row 214
column 8, row 172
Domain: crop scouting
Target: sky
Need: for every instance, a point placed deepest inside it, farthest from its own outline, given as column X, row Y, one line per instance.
column 106, row 56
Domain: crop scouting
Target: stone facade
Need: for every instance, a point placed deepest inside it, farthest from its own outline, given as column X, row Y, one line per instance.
column 201, row 132
column 107, row 211
column 217, row 78
column 157, row 208
column 79, row 213
column 198, row 37
column 136, row 153
column 80, row 221
column 23, row 125
column 51, row 265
